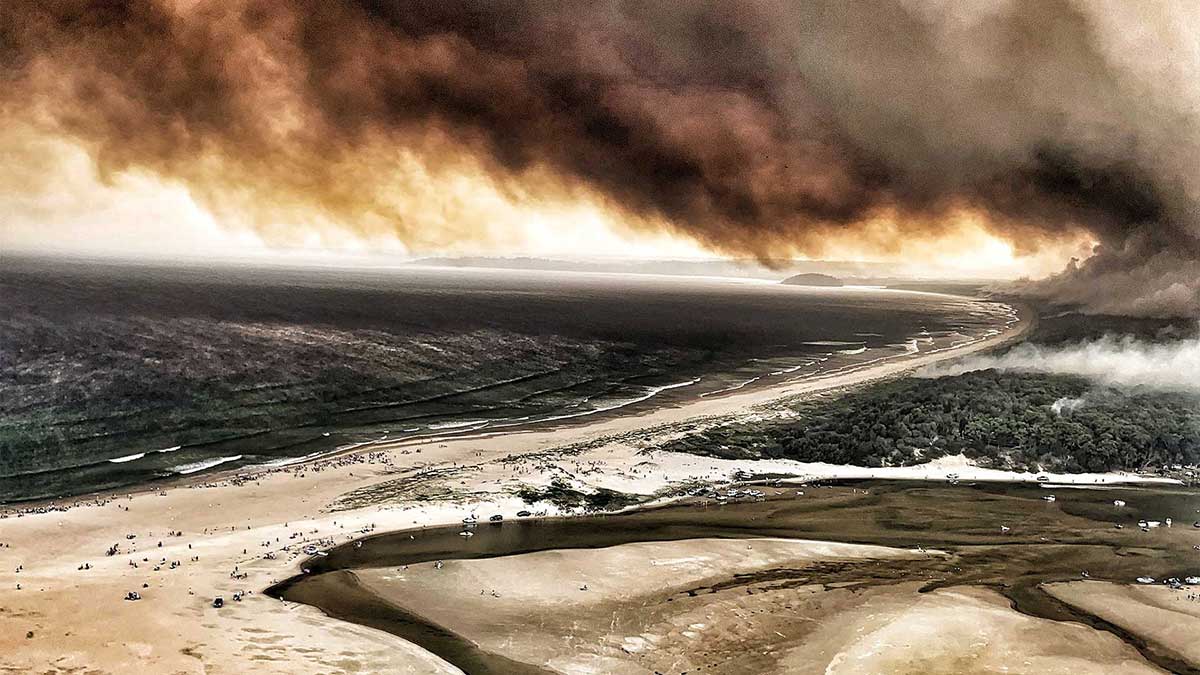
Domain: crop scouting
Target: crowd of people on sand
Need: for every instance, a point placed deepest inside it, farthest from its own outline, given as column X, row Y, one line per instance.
column 302, row 469
column 54, row 507
column 299, row 542
column 554, row 462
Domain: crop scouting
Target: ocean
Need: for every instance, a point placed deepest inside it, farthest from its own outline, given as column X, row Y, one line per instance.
column 115, row 375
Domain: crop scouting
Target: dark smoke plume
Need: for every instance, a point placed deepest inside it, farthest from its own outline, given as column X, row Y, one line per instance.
column 754, row 127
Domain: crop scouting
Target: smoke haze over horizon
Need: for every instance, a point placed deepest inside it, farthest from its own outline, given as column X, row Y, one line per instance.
column 767, row 129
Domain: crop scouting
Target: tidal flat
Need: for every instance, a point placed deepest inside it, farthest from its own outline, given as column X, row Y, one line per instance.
column 558, row 594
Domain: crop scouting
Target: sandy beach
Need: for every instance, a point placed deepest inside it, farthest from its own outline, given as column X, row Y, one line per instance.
column 62, row 599
column 634, row 609
column 1169, row 619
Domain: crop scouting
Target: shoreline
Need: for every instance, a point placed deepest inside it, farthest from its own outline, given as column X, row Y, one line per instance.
column 181, row 544
column 712, row 404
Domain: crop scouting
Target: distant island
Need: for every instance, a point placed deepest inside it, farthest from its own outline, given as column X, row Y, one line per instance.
column 813, row 279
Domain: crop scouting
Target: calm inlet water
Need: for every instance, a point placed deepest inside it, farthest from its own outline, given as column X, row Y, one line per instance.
column 115, row 375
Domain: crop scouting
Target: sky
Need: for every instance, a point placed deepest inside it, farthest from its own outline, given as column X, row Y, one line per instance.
column 1052, row 139
column 57, row 202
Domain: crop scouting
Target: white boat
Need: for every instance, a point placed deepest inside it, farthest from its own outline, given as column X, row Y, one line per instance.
column 1192, row 581
column 466, row 533
column 1145, row 580
column 1118, row 503
column 1049, row 498
column 1004, row 528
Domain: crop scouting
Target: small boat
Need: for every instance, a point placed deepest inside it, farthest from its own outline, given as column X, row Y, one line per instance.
column 1043, row 479
column 1145, row 580
column 466, row 533
column 1049, row 498
column 496, row 518
column 1118, row 503
column 1192, row 581
column 310, row 550
column 1004, row 528
column 523, row 514
column 470, row 520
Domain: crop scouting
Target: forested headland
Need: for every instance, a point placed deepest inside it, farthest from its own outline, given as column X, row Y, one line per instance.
column 1015, row 421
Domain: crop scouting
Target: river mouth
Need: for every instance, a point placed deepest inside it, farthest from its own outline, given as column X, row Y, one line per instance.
column 1046, row 541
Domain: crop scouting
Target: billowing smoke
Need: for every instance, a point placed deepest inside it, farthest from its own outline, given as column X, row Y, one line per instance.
column 1123, row 361
column 1067, row 405
column 766, row 128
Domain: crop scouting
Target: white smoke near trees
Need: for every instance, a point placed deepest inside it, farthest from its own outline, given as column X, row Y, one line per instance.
column 1067, row 404
column 1115, row 361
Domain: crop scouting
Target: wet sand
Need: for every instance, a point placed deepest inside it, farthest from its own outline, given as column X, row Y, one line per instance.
column 1168, row 619
column 619, row 609
column 962, row 629
column 983, row 566
column 664, row 607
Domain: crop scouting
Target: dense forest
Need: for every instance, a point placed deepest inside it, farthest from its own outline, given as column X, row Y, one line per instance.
column 1016, row 421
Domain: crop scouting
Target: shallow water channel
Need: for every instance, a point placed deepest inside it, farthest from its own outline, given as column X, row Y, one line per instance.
column 1046, row 541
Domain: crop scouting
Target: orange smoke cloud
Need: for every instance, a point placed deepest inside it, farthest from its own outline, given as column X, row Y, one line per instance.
column 770, row 130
